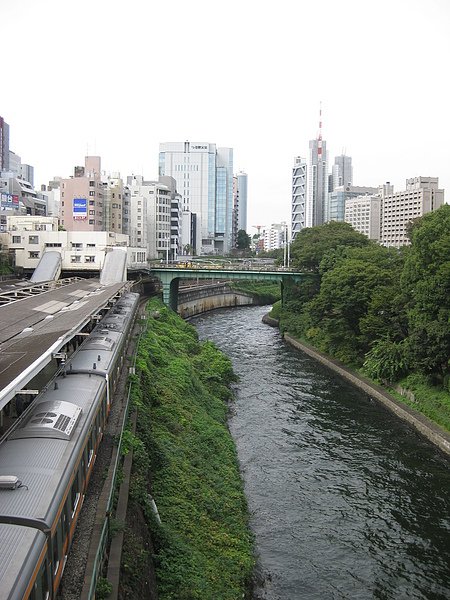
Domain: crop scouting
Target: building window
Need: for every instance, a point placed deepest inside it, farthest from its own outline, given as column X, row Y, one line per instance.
column 92, row 184
column 91, row 221
column 75, row 258
column 92, row 193
column 33, row 254
column 16, row 239
column 89, row 259
column 33, row 239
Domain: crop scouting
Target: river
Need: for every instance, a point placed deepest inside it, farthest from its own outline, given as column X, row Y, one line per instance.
column 346, row 501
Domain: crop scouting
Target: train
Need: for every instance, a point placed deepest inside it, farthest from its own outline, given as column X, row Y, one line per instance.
column 47, row 457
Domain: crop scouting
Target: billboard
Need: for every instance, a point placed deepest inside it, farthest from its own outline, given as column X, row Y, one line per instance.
column 79, row 208
column 9, row 201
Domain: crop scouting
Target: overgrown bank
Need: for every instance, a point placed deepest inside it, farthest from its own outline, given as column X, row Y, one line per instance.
column 185, row 458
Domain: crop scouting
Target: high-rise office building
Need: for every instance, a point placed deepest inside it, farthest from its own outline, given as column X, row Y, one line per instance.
column 204, row 176
column 298, row 210
column 242, row 193
column 422, row 195
column 4, row 145
column 317, row 186
column 342, row 171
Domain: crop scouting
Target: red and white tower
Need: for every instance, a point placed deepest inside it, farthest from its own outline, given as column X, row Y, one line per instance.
column 319, row 148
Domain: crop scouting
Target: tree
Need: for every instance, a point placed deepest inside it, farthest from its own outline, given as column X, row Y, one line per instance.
column 311, row 244
column 243, row 239
column 426, row 283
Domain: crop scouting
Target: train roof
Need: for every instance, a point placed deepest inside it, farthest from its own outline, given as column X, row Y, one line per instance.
column 39, row 451
column 20, row 547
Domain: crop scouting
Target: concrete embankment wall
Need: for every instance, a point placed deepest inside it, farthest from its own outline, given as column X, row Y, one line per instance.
column 199, row 300
column 438, row 436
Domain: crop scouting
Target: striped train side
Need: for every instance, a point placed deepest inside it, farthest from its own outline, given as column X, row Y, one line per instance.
column 46, row 459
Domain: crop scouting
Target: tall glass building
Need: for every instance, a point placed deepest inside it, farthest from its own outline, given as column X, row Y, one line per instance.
column 242, row 192
column 317, row 187
column 204, row 176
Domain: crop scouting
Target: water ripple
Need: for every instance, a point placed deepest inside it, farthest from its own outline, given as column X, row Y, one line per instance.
column 346, row 501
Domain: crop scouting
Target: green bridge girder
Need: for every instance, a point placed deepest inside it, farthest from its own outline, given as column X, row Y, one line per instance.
column 170, row 278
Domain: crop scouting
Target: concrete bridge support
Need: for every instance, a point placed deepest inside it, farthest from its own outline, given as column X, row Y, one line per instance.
column 170, row 278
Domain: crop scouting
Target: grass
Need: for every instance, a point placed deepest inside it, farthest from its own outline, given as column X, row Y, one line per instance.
column 203, row 548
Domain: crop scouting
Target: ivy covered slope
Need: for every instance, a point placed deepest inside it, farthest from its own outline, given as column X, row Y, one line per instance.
column 203, row 546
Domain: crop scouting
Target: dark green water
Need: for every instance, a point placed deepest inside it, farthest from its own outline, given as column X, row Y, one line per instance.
column 346, row 500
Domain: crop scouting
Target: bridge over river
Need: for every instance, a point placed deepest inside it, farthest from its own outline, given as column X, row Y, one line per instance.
column 170, row 277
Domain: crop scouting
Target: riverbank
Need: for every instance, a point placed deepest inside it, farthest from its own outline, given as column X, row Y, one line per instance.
column 185, row 461
column 435, row 434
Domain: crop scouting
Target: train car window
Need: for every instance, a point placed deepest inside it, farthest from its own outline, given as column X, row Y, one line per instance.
column 75, row 497
column 65, row 524
column 45, row 590
column 55, row 553
column 90, row 449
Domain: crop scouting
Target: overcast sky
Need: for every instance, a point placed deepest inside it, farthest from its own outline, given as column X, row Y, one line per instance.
column 116, row 78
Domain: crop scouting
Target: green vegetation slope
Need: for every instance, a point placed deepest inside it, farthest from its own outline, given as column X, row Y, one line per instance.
column 186, row 458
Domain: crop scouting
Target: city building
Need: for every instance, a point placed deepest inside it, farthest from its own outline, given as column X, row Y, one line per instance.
column 113, row 202
column 338, row 197
column 275, row 237
column 150, row 217
column 298, row 208
column 317, row 183
column 241, row 187
column 176, row 220
column 422, row 195
column 342, row 172
column 364, row 214
column 4, row 145
column 204, row 180
column 28, row 237
column 82, row 198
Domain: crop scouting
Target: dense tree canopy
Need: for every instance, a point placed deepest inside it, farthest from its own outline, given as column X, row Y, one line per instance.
column 311, row 244
column 243, row 239
column 364, row 303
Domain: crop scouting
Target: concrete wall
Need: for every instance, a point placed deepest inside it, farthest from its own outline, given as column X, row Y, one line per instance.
column 435, row 434
column 196, row 301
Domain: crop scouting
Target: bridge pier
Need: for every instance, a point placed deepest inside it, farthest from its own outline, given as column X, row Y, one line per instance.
column 170, row 278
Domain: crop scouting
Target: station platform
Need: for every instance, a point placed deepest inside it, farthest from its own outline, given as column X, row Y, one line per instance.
column 34, row 328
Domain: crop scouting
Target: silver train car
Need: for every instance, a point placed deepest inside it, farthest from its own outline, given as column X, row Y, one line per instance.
column 47, row 457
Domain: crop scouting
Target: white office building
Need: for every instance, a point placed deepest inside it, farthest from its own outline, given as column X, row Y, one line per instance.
column 150, row 216
column 204, row 176
column 422, row 195
column 364, row 214
column 298, row 209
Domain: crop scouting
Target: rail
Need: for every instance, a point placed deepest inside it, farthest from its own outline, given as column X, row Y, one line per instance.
column 104, row 538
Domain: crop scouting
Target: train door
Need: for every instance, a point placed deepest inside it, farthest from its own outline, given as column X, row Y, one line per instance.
column 41, row 587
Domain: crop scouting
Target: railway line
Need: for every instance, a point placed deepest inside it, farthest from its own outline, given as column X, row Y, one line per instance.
column 48, row 458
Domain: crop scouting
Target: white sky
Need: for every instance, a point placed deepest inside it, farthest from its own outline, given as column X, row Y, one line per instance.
column 116, row 78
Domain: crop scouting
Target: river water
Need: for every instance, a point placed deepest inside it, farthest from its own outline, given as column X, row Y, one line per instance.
column 346, row 501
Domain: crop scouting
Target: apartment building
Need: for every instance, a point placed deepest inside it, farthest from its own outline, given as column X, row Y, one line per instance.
column 364, row 214
column 82, row 198
column 422, row 195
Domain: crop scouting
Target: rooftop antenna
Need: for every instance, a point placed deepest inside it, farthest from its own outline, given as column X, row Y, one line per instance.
column 319, row 148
